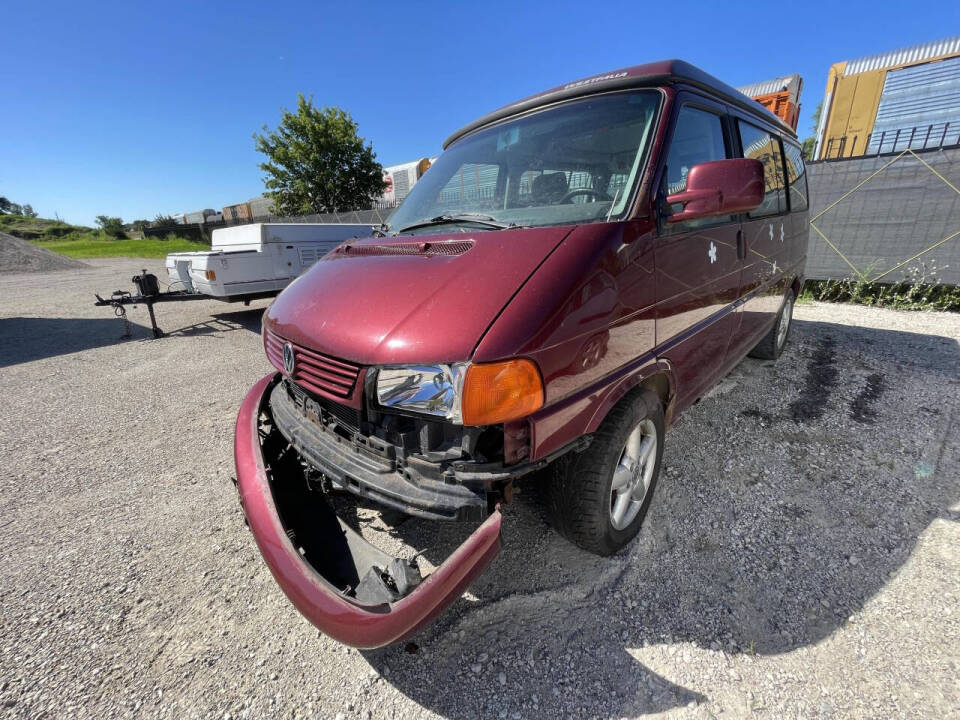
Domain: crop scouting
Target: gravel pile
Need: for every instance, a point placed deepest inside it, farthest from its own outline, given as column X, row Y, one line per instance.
column 799, row 560
column 19, row 256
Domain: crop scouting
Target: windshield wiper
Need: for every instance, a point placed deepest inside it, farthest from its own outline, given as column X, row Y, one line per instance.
column 485, row 220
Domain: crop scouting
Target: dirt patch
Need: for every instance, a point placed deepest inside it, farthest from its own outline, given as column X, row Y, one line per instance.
column 19, row 256
column 765, row 418
column 861, row 408
column 818, row 385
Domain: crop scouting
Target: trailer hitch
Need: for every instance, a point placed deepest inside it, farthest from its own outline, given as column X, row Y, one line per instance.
column 148, row 294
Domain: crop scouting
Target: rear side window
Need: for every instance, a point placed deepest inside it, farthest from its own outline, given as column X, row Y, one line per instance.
column 796, row 176
column 763, row 146
column 697, row 139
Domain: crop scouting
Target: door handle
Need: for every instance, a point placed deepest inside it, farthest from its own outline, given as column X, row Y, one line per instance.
column 741, row 245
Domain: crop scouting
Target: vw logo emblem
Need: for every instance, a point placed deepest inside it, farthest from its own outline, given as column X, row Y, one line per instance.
column 289, row 361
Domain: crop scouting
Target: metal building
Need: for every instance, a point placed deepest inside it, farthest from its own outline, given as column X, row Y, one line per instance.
column 907, row 98
column 781, row 96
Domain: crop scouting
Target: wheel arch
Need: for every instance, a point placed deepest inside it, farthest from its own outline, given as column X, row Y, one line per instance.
column 657, row 377
column 797, row 285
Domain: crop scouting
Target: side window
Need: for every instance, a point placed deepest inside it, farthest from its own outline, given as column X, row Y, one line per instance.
column 698, row 138
column 796, row 176
column 763, row 146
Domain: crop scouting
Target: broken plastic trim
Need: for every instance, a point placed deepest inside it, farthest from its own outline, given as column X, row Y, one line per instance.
column 325, row 541
column 324, row 580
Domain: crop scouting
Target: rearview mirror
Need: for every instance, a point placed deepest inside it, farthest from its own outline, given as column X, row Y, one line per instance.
column 720, row 187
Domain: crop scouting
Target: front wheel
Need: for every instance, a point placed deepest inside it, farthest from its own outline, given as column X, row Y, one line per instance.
column 774, row 341
column 598, row 498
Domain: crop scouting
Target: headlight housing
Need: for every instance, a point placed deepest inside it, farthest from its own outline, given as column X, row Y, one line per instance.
column 464, row 393
column 426, row 389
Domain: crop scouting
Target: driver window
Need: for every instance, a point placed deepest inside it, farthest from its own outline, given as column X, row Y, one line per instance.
column 698, row 138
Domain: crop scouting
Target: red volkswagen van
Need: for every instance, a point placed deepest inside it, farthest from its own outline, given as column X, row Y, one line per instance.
column 574, row 271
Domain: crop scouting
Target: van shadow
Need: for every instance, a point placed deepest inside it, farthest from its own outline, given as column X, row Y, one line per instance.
column 24, row 339
column 788, row 499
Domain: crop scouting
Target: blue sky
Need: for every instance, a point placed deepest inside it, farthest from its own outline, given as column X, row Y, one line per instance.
column 137, row 108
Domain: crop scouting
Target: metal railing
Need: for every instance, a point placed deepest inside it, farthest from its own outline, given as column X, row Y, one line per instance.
column 890, row 142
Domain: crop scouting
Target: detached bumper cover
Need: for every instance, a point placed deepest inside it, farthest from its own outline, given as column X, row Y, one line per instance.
column 336, row 614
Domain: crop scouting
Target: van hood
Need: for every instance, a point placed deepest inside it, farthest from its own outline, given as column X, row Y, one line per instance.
column 429, row 298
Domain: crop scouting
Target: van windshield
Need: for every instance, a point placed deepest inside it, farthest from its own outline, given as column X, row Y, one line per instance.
column 574, row 163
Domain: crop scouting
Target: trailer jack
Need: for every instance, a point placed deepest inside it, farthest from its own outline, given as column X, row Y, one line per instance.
column 148, row 293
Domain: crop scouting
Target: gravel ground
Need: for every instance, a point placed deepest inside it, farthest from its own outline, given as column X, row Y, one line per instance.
column 19, row 256
column 800, row 559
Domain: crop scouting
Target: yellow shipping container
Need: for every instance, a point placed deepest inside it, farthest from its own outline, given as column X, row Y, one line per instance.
column 853, row 93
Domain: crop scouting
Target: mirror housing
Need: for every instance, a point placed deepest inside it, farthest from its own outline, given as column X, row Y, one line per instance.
column 720, row 187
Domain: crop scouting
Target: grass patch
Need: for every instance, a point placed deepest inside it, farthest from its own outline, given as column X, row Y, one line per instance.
column 921, row 290
column 98, row 245
column 81, row 242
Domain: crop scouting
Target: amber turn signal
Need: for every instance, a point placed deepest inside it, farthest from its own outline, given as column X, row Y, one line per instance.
column 501, row 391
column 210, row 275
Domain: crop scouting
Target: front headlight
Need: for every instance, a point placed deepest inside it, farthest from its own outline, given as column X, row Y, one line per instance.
column 464, row 393
column 428, row 389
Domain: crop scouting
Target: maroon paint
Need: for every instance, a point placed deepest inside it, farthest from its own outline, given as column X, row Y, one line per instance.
column 586, row 313
column 382, row 309
column 721, row 187
column 365, row 626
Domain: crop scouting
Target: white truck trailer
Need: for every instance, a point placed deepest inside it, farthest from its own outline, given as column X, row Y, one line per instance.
column 257, row 260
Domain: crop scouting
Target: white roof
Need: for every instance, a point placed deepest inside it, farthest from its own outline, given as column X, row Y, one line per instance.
column 904, row 56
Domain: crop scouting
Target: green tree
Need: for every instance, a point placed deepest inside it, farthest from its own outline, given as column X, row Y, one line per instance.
column 316, row 162
column 5, row 205
column 809, row 143
column 112, row 226
column 29, row 212
column 140, row 224
column 161, row 219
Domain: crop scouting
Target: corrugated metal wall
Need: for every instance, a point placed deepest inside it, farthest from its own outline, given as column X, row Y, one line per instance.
column 867, row 100
column 790, row 83
column 926, row 97
column 905, row 56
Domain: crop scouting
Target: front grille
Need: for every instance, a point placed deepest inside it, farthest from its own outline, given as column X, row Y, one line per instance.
column 314, row 371
column 427, row 249
column 348, row 418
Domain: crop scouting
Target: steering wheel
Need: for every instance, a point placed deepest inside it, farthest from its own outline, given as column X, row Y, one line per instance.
column 584, row 191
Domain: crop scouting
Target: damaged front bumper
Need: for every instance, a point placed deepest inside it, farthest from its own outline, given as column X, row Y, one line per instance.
column 349, row 589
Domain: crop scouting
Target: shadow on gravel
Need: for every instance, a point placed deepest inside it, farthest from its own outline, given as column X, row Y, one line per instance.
column 219, row 323
column 24, row 339
column 769, row 530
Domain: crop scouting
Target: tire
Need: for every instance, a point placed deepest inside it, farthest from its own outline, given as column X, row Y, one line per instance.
column 582, row 500
column 774, row 341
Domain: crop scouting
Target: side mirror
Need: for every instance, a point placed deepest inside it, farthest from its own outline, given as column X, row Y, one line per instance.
column 720, row 187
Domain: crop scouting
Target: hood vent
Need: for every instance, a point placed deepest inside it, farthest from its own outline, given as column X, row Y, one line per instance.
column 425, row 249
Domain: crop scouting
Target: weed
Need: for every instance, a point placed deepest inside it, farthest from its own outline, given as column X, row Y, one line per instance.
column 921, row 289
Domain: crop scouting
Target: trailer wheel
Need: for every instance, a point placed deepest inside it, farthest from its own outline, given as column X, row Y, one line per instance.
column 598, row 498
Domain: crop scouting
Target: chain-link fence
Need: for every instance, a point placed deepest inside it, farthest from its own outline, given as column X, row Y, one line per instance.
column 877, row 218
column 371, row 216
